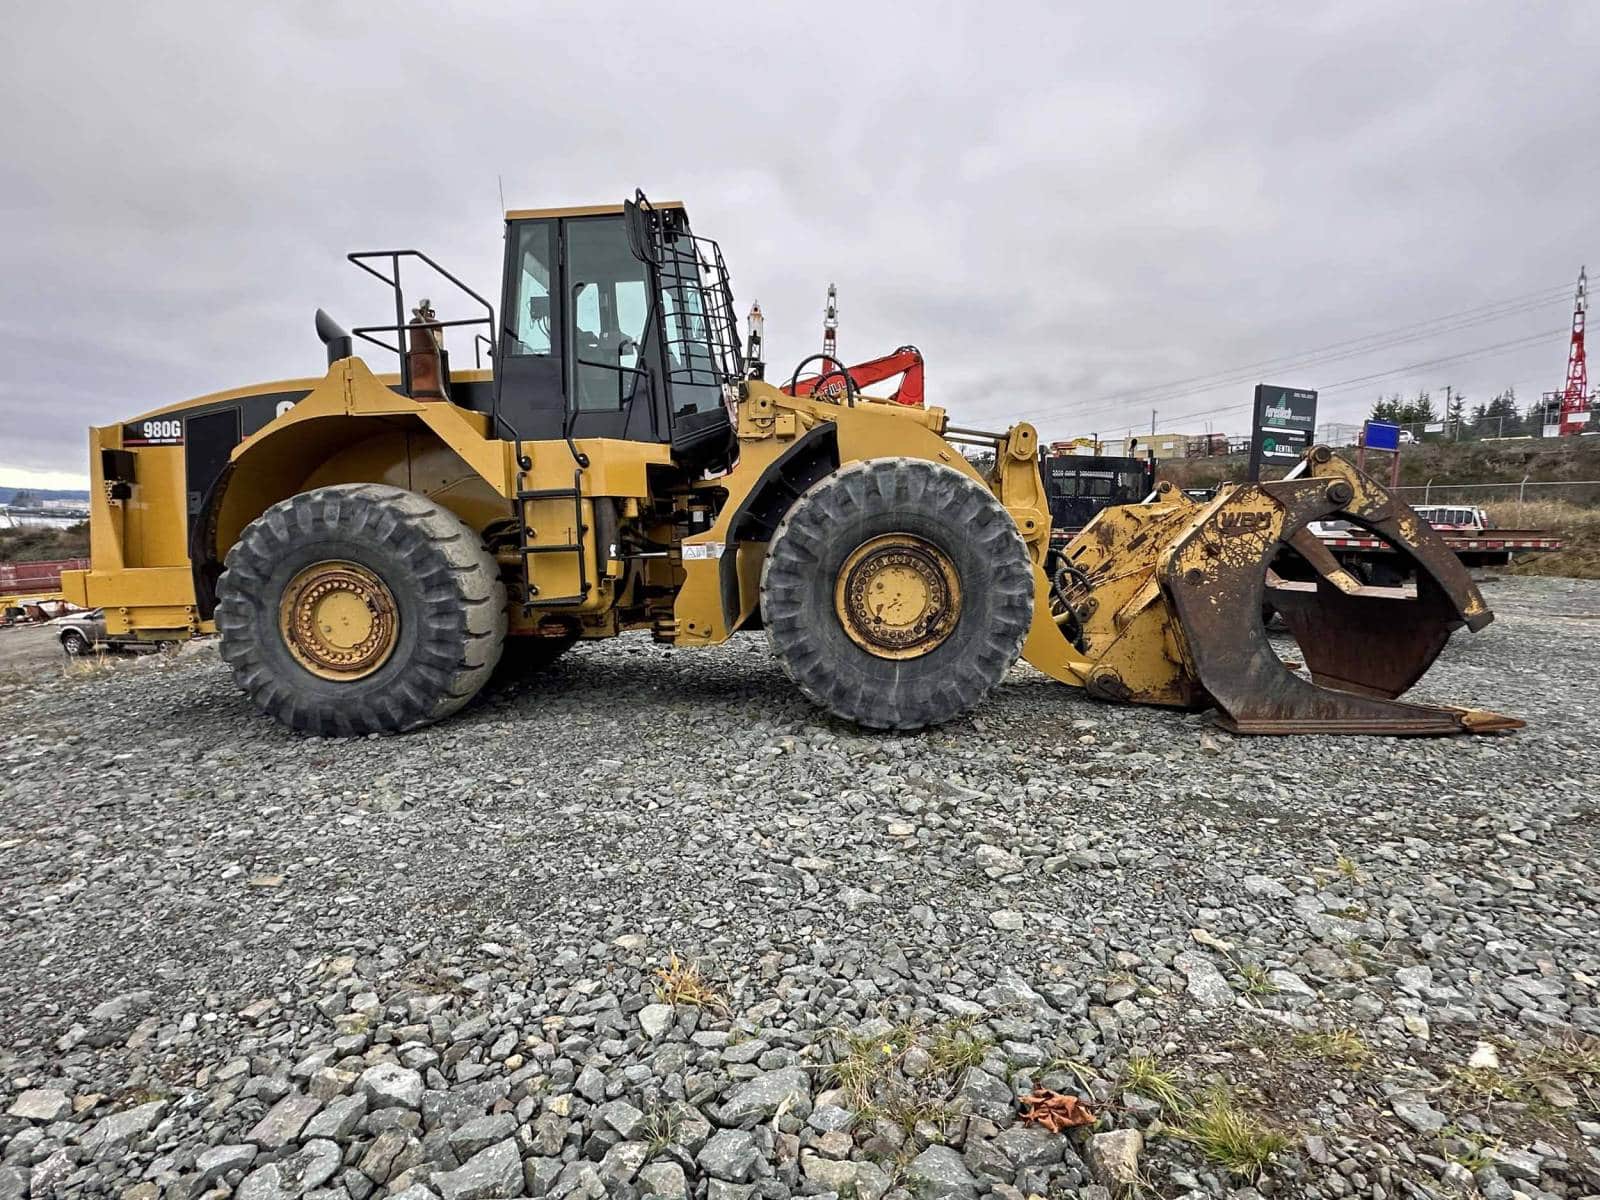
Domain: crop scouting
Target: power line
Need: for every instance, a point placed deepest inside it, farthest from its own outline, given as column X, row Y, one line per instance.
column 1515, row 343
column 1353, row 384
column 1315, row 361
column 1333, row 352
column 1480, row 313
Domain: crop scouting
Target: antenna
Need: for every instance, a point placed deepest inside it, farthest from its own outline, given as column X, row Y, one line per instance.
column 830, row 323
column 500, row 182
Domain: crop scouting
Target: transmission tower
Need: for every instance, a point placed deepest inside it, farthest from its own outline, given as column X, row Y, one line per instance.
column 1575, row 399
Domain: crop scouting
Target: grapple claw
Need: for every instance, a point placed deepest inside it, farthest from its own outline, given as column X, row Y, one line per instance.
column 1161, row 603
column 1363, row 646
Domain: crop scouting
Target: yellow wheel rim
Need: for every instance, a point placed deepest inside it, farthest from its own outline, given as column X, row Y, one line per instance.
column 339, row 620
column 897, row 596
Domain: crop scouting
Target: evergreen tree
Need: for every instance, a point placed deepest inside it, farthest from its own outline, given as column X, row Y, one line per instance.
column 1502, row 418
column 1421, row 411
column 1533, row 419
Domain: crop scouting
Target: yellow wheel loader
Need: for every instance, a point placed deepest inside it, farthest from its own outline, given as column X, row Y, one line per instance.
column 369, row 547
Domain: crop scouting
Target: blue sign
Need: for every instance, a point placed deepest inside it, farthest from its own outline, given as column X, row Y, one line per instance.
column 1380, row 435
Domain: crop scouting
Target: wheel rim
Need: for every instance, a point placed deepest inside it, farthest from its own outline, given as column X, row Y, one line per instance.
column 75, row 645
column 339, row 620
column 898, row 596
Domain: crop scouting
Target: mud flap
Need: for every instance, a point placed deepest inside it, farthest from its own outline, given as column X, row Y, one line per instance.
column 1363, row 646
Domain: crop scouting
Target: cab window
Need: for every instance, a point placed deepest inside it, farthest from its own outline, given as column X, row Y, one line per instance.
column 531, row 321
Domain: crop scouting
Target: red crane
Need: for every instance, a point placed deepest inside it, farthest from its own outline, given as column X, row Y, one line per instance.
column 1575, row 400
column 906, row 361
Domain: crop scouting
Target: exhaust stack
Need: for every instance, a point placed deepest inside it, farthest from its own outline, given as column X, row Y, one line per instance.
column 335, row 337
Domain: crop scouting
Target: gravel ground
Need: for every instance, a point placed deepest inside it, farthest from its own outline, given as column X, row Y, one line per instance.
column 29, row 650
column 648, row 924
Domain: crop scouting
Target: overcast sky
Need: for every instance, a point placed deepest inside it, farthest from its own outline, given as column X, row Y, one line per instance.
column 1067, row 212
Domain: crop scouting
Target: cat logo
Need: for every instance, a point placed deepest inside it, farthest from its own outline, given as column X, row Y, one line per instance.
column 1235, row 523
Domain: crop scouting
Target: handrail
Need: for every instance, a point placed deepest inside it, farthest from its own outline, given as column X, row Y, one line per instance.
column 360, row 258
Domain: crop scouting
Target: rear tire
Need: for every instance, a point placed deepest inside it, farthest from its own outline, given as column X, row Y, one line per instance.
column 429, row 595
column 980, row 569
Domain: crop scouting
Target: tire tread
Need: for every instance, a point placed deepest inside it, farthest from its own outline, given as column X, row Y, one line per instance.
column 462, row 602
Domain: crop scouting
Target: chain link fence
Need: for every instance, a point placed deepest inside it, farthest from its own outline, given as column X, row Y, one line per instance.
column 1512, row 502
column 1490, row 429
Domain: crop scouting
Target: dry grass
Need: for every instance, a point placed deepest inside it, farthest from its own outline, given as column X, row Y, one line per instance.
column 1348, row 868
column 1227, row 1134
column 1341, row 1047
column 1572, row 1066
column 1577, row 525
column 1479, row 1087
column 871, row 1073
column 681, row 982
column 96, row 662
column 1214, row 1121
column 955, row 1047
column 1257, row 980
column 1576, row 1062
column 661, row 1128
column 1145, row 1076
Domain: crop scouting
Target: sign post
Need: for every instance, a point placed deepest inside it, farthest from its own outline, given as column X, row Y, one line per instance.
column 1285, row 422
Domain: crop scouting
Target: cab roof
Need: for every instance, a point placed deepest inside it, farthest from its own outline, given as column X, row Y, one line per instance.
column 581, row 210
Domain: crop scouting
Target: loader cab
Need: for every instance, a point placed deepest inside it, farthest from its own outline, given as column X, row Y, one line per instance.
column 617, row 322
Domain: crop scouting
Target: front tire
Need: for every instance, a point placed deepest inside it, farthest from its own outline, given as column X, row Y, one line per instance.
column 74, row 643
column 360, row 608
column 897, row 592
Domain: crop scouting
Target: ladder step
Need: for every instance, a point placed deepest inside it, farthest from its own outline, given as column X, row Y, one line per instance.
column 568, row 549
column 550, row 494
column 556, row 601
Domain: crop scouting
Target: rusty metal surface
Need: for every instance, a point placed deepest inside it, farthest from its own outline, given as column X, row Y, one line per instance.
column 1376, row 642
column 1363, row 646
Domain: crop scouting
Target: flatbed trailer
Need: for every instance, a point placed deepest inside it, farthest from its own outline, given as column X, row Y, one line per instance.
column 1486, row 548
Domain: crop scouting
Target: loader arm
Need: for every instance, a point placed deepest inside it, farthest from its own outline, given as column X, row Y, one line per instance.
column 1165, row 602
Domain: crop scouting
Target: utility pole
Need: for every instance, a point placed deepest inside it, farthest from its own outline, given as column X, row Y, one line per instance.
column 1455, row 434
column 1152, row 422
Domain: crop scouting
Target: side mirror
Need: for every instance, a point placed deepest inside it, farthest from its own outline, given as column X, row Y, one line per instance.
column 641, row 239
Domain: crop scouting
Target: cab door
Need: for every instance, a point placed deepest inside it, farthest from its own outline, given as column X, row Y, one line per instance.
column 609, row 337
column 530, row 391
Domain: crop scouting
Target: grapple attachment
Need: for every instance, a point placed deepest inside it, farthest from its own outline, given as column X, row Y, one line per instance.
column 1193, row 580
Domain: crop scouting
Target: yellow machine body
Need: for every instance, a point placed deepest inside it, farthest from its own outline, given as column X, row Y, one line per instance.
column 1156, row 603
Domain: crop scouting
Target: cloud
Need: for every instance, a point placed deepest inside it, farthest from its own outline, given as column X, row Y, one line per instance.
column 1057, row 206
